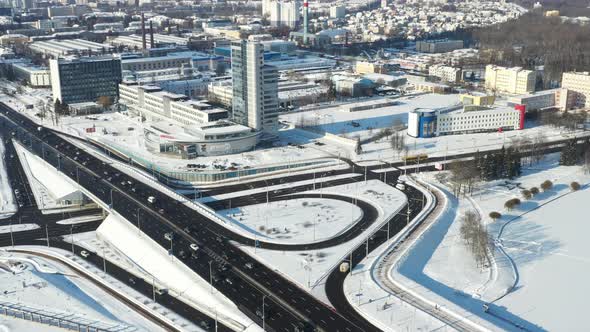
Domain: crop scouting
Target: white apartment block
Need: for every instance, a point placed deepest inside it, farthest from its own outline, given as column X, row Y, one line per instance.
column 509, row 80
column 578, row 83
column 282, row 12
column 445, row 73
column 337, row 11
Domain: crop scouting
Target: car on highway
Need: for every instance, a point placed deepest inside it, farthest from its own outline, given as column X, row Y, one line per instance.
column 84, row 253
column 400, row 186
column 249, row 265
column 194, row 247
column 151, row 199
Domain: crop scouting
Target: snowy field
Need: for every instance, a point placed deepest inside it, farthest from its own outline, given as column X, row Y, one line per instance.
column 36, row 283
column 547, row 256
column 301, row 220
column 7, row 201
column 310, row 268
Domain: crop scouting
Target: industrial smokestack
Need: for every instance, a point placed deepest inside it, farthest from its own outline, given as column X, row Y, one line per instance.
column 143, row 43
column 151, row 35
column 305, row 20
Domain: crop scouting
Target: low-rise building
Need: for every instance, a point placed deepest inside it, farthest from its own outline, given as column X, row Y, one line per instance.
column 446, row 73
column 365, row 67
column 60, row 48
column 425, row 123
column 438, row 46
column 35, row 76
column 477, row 99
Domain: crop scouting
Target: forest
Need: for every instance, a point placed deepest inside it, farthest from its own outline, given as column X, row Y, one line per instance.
column 535, row 40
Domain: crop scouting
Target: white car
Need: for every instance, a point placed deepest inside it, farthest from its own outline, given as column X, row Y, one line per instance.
column 84, row 253
column 194, row 247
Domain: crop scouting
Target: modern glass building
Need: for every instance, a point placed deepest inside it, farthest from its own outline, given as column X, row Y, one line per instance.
column 85, row 79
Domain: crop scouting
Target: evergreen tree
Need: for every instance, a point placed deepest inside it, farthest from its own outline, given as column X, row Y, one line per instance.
column 569, row 154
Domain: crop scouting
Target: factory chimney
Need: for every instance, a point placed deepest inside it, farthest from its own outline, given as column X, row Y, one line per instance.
column 143, row 43
column 151, row 35
column 305, row 20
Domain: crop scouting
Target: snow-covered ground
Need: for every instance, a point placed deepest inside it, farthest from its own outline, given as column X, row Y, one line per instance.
column 309, row 268
column 50, row 287
column 369, row 296
column 11, row 324
column 301, row 220
column 547, row 262
column 170, row 272
column 338, row 121
column 7, row 201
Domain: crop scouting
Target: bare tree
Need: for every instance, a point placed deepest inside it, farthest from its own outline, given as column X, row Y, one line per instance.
column 495, row 215
column 526, row 194
column 476, row 237
column 546, row 185
column 575, row 186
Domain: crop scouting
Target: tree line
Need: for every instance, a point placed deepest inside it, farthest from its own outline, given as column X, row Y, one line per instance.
column 535, row 40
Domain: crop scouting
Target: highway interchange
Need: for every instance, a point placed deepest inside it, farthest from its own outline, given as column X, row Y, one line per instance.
column 262, row 294
column 234, row 273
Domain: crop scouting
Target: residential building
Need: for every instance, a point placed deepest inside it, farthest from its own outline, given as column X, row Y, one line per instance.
column 438, row 46
column 446, row 73
column 509, row 80
column 255, row 87
column 579, row 84
column 85, row 79
column 284, row 13
column 337, row 11
column 365, row 67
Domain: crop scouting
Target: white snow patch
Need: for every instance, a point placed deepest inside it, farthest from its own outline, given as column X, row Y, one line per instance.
column 17, row 228
column 302, row 220
column 168, row 270
column 7, row 201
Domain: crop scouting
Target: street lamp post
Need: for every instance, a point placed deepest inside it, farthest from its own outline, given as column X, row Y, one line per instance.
column 263, row 315
column 211, row 276
column 72, row 236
